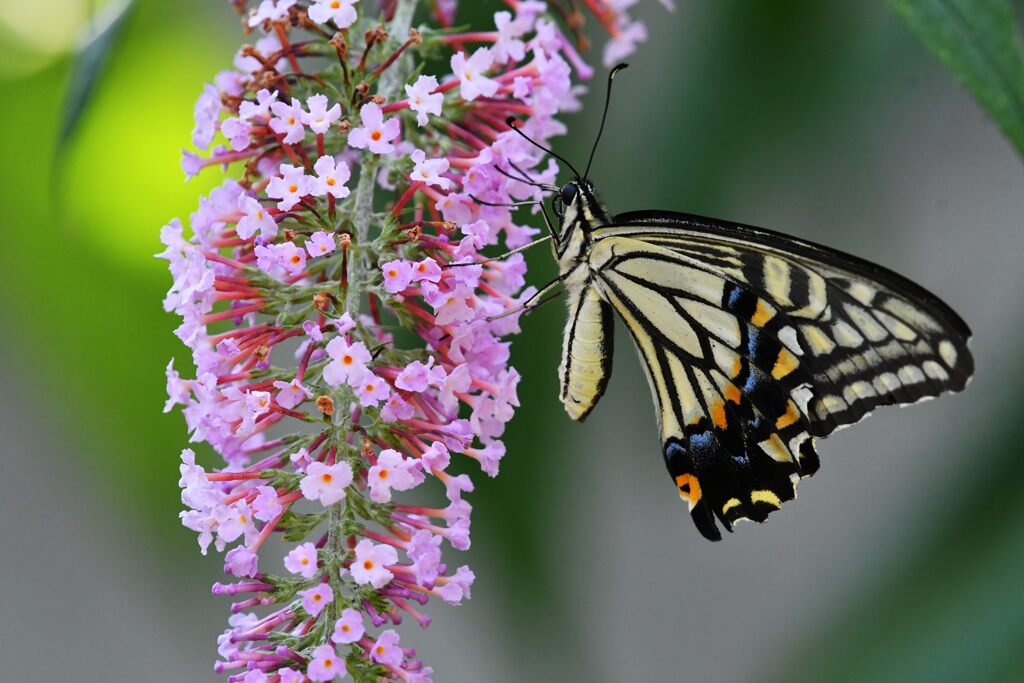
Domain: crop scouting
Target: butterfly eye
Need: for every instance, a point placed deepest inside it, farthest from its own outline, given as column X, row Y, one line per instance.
column 568, row 193
column 557, row 206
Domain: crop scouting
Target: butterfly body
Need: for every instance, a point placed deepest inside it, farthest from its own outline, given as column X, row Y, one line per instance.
column 754, row 344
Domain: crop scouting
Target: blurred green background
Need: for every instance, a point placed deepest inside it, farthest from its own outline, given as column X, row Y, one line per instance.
column 901, row 561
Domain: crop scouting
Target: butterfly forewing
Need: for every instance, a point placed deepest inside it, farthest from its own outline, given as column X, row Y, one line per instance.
column 754, row 343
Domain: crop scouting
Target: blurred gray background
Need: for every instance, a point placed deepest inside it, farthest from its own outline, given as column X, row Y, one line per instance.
column 900, row 561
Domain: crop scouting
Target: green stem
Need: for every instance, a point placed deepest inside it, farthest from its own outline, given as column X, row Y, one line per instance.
column 359, row 274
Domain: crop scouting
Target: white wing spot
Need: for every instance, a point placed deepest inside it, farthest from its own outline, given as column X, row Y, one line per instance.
column 935, row 371
column 948, row 352
column 911, row 374
column 847, row 335
column 787, row 335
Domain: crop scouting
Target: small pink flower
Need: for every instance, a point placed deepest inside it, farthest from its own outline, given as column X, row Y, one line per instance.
column 392, row 471
column 387, row 650
column 345, row 323
column 271, row 10
column 267, row 505
column 371, row 389
column 249, row 110
column 254, row 676
column 436, row 457
column 325, row 665
column 290, row 187
column 396, row 409
column 376, row 133
column 371, row 563
column 302, row 560
column 430, row 171
column 427, row 269
column 287, row 121
column 319, row 118
column 348, row 361
column 315, row 599
column 508, row 46
column 290, row 675
column 237, row 132
column 326, row 483
column 240, row 561
column 623, row 45
column 470, row 72
column 423, row 100
column 320, row 244
column 291, row 258
column 207, row 111
column 256, row 219
column 397, row 275
column 341, row 12
column 291, row 394
column 349, row 628
column 457, row 587
column 331, row 177
column 425, row 552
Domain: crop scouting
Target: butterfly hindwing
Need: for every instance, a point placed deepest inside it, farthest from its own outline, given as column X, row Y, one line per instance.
column 755, row 344
column 734, row 440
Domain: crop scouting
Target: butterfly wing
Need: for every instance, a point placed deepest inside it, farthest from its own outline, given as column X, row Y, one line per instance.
column 755, row 343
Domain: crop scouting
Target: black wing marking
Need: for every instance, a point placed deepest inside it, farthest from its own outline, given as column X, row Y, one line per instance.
column 754, row 344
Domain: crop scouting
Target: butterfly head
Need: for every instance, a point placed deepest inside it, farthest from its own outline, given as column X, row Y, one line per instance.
column 575, row 203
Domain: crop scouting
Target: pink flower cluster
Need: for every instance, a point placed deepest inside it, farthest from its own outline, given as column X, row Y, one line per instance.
column 360, row 199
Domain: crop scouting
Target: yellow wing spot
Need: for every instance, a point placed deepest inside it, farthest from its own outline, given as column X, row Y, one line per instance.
column 718, row 415
column 732, row 393
column 729, row 505
column 762, row 314
column 785, row 363
column 789, row 417
column 689, row 488
column 765, row 496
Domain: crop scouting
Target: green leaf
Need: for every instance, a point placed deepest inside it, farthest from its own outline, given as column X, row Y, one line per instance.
column 107, row 26
column 978, row 41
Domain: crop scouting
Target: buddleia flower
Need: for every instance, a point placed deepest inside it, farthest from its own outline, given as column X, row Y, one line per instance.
column 361, row 196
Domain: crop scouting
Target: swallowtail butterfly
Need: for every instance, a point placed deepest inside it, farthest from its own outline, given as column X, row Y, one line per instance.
column 755, row 344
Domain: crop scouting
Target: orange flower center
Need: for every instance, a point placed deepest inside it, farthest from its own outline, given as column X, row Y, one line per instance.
column 375, row 135
column 383, row 474
column 347, row 360
column 331, row 182
column 327, row 478
column 293, row 188
column 368, row 565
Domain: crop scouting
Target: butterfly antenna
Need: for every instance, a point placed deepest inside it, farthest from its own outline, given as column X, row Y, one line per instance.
column 607, row 101
column 514, row 126
column 523, row 178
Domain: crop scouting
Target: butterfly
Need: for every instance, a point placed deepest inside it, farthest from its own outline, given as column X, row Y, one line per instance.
column 754, row 343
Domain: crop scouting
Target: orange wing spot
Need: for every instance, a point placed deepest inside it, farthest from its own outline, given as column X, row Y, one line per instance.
column 732, row 393
column 762, row 314
column 784, row 364
column 789, row 417
column 737, row 365
column 718, row 415
column 689, row 488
